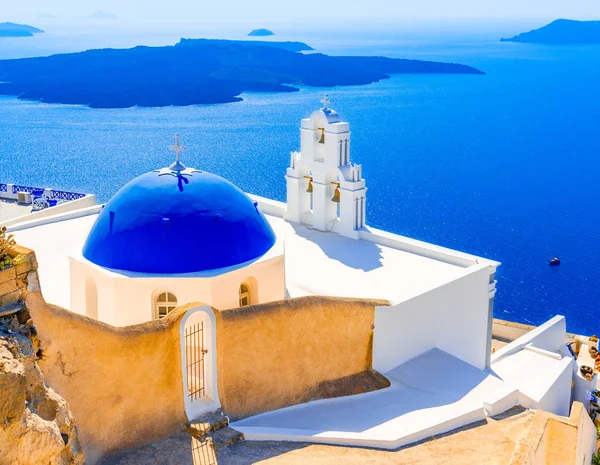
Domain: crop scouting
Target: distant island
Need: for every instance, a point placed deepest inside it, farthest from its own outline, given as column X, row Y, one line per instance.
column 261, row 33
column 100, row 15
column 199, row 71
column 18, row 30
column 562, row 31
column 289, row 46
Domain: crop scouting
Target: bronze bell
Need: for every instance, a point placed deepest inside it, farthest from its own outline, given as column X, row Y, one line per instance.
column 310, row 186
column 322, row 139
column 336, row 195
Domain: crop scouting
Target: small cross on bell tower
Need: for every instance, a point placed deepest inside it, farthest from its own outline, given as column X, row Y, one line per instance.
column 324, row 189
column 177, row 166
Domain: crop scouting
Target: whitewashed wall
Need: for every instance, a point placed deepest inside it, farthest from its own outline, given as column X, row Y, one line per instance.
column 586, row 440
column 549, row 336
column 453, row 318
column 124, row 301
column 557, row 398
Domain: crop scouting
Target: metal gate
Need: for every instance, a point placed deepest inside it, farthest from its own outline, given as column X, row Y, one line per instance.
column 194, row 356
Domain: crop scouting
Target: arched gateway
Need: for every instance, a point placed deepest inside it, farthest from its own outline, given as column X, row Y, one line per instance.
column 199, row 361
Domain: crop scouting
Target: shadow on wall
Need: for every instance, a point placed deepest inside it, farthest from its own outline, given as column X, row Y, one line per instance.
column 363, row 255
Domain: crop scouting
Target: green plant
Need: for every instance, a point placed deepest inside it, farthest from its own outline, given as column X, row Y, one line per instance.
column 6, row 243
column 598, row 433
column 596, row 459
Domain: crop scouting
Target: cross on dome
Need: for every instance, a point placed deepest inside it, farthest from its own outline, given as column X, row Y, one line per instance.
column 325, row 101
column 177, row 166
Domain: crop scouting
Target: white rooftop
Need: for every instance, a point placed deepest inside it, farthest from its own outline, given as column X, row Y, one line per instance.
column 316, row 262
column 10, row 209
column 429, row 395
column 322, row 263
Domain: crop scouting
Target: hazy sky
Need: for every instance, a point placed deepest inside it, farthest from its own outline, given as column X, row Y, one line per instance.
column 268, row 12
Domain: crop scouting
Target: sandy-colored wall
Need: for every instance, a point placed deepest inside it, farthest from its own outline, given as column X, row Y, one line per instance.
column 509, row 330
column 125, row 387
column 123, row 384
column 288, row 352
column 553, row 439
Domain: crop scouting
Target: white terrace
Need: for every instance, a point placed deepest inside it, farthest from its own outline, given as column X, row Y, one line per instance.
column 382, row 265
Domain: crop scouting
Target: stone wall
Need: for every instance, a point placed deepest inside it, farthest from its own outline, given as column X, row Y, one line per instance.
column 553, row 439
column 18, row 280
column 284, row 353
column 124, row 385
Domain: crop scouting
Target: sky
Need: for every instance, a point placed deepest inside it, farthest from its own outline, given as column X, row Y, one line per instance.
column 308, row 12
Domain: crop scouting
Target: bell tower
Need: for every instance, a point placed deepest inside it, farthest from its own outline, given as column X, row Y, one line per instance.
column 324, row 189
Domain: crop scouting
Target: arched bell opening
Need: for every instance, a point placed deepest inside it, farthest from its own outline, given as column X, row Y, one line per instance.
column 336, row 197
column 309, row 189
column 199, row 361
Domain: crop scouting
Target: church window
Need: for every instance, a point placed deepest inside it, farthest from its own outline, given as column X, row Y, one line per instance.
column 244, row 295
column 165, row 303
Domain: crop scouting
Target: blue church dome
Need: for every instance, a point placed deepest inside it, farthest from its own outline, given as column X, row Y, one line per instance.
column 178, row 220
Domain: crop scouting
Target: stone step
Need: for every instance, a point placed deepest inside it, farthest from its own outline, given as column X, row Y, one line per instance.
column 224, row 437
column 206, row 423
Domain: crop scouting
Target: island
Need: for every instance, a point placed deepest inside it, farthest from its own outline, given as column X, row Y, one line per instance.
column 18, row 30
column 261, row 33
column 290, row 46
column 562, row 32
column 200, row 71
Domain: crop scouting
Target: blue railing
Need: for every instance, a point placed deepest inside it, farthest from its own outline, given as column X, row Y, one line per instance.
column 17, row 188
column 58, row 195
column 63, row 195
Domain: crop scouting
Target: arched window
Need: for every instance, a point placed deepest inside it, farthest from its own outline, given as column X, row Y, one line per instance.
column 244, row 295
column 164, row 304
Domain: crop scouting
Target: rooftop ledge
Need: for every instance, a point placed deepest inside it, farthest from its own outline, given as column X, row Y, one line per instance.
column 395, row 241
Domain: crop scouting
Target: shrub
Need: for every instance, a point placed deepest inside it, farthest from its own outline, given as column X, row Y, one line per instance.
column 6, row 243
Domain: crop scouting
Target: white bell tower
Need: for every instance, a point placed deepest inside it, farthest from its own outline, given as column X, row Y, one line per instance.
column 338, row 198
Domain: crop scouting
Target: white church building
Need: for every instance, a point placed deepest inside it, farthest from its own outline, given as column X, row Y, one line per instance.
column 178, row 235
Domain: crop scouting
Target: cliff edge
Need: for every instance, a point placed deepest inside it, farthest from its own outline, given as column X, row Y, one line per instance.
column 36, row 425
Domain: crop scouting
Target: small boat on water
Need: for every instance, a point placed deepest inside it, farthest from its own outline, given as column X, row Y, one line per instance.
column 554, row 262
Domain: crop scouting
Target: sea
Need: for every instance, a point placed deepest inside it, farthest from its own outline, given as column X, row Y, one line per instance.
column 504, row 165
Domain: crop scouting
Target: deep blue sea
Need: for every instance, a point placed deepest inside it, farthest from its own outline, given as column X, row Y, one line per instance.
column 505, row 165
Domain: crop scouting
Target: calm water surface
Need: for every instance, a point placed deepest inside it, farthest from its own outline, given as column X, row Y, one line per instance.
column 504, row 165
